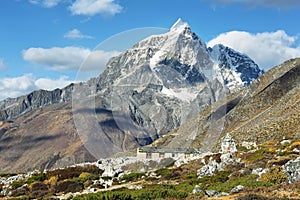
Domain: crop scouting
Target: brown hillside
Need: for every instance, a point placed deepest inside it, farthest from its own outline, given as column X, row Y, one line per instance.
column 268, row 109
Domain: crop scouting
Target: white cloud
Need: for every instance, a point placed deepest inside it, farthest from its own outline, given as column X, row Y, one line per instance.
column 97, row 60
column 267, row 49
column 76, row 34
column 51, row 84
column 17, row 86
column 45, row 3
column 34, row 1
column 50, row 3
column 266, row 3
column 57, row 58
column 13, row 87
column 68, row 58
column 2, row 64
column 84, row 7
column 93, row 7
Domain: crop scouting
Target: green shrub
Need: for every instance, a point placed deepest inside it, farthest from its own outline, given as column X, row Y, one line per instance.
column 251, row 197
column 191, row 176
column 7, row 175
column 17, row 184
column 73, row 172
column 132, row 176
column 69, row 186
column 275, row 175
column 36, row 178
column 169, row 174
column 221, row 176
column 38, row 189
column 247, row 181
column 149, row 192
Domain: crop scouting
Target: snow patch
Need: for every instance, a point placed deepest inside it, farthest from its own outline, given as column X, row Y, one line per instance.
column 184, row 94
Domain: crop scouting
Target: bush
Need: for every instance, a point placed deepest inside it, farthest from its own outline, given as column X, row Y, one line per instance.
column 294, row 145
column 7, row 175
column 221, row 176
column 38, row 189
column 88, row 176
column 275, row 175
column 191, row 176
column 73, row 172
column 251, row 197
column 149, row 192
column 17, row 184
column 52, row 181
column 132, row 176
column 168, row 174
column 36, row 178
column 248, row 181
column 68, row 186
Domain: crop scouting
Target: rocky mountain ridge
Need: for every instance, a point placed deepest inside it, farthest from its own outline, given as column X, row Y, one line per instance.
column 266, row 110
column 145, row 92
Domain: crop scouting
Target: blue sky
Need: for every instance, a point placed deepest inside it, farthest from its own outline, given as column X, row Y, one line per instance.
column 43, row 42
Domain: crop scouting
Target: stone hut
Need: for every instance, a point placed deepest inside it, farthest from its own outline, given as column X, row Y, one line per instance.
column 155, row 153
column 228, row 144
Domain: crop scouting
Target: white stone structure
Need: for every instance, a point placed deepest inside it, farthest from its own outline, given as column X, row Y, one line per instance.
column 228, row 145
column 155, row 153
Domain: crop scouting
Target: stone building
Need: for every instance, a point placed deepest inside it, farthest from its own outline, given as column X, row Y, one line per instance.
column 228, row 144
column 155, row 153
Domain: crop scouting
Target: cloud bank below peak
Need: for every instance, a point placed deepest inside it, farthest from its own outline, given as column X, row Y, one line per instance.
column 21, row 85
column 267, row 49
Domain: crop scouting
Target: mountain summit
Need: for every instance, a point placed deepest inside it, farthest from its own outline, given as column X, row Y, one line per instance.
column 179, row 24
column 144, row 92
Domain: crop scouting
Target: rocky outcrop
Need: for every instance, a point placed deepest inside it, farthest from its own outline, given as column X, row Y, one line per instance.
column 292, row 170
column 215, row 163
column 13, row 108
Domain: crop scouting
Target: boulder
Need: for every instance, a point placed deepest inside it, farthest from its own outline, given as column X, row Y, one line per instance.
column 292, row 170
column 237, row 189
column 197, row 190
column 211, row 193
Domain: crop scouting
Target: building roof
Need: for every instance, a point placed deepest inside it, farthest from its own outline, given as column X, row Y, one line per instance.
column 228, row 138
column 167, row 150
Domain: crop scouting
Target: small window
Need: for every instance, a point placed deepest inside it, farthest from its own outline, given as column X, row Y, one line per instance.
column 173, row 155
column 148, row 156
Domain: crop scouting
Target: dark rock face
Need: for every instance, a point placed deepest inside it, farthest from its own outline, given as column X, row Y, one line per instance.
column 240, row 63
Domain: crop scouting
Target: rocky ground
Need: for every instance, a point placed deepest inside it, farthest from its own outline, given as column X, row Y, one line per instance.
column 267, row 171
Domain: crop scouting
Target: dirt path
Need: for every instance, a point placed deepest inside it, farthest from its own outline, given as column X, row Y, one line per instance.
column 130, row 185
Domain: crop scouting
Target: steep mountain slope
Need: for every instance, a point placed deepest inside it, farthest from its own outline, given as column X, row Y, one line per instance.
column 145, row 92
column 40, row 139
column 266, row 110
column 174, row 75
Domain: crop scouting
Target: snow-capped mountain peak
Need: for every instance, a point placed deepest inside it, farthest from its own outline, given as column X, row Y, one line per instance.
column 179, row 59
column 179, row 25
column 234, row 68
